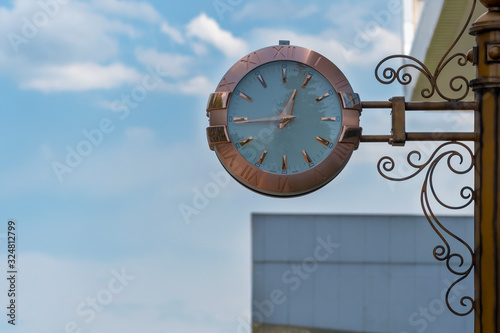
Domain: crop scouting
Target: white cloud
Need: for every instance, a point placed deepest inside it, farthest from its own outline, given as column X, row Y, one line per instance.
column 199, row 86
column 175, row 34
column 69, row 50
column 199, row 48
column 341, row 13
column 382, row 44
column 174, row 65
column 133, row 9
column 80, row 76
column 209, row 31
column 266, row 9
column 66, row 36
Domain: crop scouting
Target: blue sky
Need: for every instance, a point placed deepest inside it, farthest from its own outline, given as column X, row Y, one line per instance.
column 135, row 76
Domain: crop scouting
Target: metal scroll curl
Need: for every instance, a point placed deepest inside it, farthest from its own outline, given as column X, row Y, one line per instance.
column 458, row 84
column 457, row 156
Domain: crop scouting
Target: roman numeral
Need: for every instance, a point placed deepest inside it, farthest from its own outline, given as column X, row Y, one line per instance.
column 284, row 185
column 284, row 52
column 251, row 175
column 319, row 176
column 226, row 85
column 251, row 59
column 226, row 153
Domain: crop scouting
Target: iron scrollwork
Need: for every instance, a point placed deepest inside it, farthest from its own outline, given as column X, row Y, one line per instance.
column 443, row 252
column 457, row 84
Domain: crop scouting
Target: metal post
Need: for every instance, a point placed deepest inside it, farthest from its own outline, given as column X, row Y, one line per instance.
column 487, row 166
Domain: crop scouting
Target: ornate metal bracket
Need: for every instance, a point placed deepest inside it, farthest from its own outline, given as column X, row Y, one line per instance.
column 458, row 83
column 441, row 252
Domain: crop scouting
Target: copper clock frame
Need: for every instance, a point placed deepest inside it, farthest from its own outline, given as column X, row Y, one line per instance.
column 283, row 185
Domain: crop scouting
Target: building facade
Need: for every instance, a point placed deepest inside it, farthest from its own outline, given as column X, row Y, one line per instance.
column 350, row 273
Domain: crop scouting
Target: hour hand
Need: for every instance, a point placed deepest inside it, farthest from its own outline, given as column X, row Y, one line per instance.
column 280, row 118
column 287, row 110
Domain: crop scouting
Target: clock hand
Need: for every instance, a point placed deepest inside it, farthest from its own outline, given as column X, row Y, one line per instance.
column 287, row 110
column 284, row 117
column 279, row 118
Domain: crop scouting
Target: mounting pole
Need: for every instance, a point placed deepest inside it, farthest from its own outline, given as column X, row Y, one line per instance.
column 486, row 87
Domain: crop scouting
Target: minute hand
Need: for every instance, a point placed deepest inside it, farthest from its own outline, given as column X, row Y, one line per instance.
column 280, row 118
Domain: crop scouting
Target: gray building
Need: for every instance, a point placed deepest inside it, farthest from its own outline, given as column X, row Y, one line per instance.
column 355, row 273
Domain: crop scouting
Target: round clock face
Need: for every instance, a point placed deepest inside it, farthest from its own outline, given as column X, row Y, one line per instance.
column 284, row 121
column 284, row 145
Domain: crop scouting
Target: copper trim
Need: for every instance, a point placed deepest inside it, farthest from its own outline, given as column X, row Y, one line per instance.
column 351, row 135
column 217, row 135
column 350, row 100
column 217, row 101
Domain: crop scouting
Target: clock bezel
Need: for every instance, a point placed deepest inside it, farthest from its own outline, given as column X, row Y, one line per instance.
column 283, row 185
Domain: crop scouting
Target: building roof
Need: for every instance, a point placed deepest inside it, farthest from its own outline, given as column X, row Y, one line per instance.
column 265, row 328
